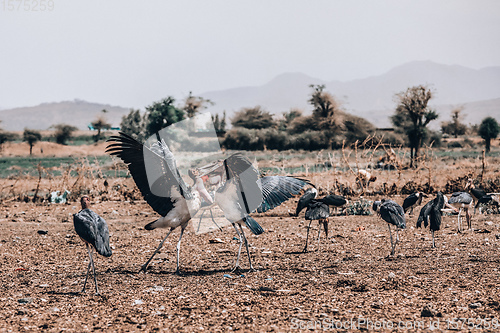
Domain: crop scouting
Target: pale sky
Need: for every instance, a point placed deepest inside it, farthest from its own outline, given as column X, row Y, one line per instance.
column 131, row 53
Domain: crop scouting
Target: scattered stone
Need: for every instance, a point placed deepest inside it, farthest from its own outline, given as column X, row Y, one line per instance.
column 216, row 241
column 475, row 305
column 138, row 302
column 42, row 232
column 25, row 300
column 427, row 311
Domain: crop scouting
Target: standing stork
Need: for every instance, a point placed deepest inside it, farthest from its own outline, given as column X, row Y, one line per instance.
column 317, row 210
column 93, row 231
column 392, row 213
column 336, row 201
column 462, row 201
column 413, row 200
column 168, row 195
column 430, row 214
column 479, row 195
column 243, row 193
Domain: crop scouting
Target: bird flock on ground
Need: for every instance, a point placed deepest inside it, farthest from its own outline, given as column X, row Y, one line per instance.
column 240, row 191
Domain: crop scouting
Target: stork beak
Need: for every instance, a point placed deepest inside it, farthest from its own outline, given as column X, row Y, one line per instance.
column 211, row 167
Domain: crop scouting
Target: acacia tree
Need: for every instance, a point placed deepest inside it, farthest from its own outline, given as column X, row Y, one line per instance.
column 63, row 133
column 412, row 117
column 253, row 118
column 100, row 124
column 326, row 115
column 455, row 127
column 31, row 137
column 489, row 129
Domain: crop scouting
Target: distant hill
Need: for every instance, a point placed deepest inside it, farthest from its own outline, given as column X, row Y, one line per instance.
column 373, row 97
column 77, row 113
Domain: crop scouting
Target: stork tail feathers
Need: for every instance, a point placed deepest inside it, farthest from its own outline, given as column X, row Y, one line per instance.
column 253, row 225
column 150, row 226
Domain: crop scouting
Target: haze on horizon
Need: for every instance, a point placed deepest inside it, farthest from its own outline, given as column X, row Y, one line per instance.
column 130, row 54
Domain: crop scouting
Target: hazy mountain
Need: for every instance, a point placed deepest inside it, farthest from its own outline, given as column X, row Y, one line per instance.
column 77, row 113
column 372, row 97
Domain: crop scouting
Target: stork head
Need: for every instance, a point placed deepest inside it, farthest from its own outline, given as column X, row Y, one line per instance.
column 376, row 206
column 470, row 184
column 85, row 202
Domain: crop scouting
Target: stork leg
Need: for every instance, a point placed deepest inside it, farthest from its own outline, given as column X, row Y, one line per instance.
column 319, row 231
column 252, row 269
column 307, row 236
column 433, row 244
column 145, row 266
column 93, row 269
column 212, row 216
column 178, row 271
column 459, row 227
column 467, row 216
column 88, row 268
column 199, row 223
column 237, row 265
column 392, row 244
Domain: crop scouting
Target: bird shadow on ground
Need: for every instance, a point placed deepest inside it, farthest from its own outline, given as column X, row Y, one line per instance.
column 63, row 293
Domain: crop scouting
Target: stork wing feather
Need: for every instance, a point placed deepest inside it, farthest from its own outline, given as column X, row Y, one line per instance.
column 132, row 153
column 393, row 213
column 278, row 189
column 317, row 210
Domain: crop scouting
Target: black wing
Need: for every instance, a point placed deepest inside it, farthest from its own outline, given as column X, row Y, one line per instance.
column 132, row 153
column 93, row 229
column 393, row 213
column 317, row 210
column 424, row 214
column 278, row 189
column 460, row 197
column 410, row 201
column 305, row 199
column 334, row 200
column 435, row 212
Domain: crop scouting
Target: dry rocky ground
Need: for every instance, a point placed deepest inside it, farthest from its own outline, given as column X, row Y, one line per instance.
column 351, row 279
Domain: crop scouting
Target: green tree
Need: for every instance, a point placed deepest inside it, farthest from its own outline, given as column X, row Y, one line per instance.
column 31, row 137
column 454, row 127
column 63, row 133
column 162, row 114
column 412, row 117
column 134, row 124
column 488, row 130
column 253, row 118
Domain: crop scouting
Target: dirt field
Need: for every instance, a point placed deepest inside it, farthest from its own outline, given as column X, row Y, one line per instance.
column 350, row 279
column 350, row 284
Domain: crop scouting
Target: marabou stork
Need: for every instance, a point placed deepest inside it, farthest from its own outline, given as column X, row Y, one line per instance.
column 317, row 210
column 413, row 200
column 334, row 200
column 479, row 195
column 392, row 213
column 430, row 214
column 243, row 192
column 167, row 194
column 93, row 231
column 462, row 200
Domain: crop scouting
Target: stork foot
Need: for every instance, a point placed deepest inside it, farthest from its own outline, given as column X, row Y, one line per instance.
column 236, row 268
column 178, row 272
column 304, row 250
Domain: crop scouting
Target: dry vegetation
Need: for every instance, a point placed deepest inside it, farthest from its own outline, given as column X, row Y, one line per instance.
column 350, row 278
